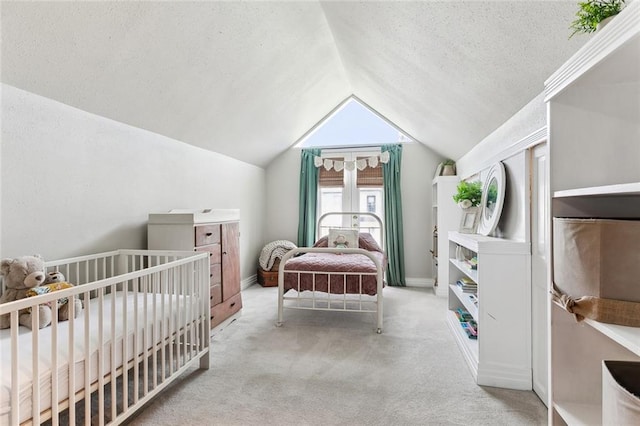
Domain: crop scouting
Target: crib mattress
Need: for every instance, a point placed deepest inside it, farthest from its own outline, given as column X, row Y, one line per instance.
column 342, row 266
column 25, row 373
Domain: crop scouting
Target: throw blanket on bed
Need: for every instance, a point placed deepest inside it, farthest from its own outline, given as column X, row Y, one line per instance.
column 274, row 250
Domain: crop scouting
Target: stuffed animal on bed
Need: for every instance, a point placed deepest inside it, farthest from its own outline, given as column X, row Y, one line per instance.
column 19, row 276
column 55, row 281
column 341, row 241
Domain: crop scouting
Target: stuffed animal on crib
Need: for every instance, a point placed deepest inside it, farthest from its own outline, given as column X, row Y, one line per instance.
column 21, row 274
column 55, row 281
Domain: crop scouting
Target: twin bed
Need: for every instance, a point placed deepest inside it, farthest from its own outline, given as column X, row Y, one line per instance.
column 343, row 271
column 145, row 320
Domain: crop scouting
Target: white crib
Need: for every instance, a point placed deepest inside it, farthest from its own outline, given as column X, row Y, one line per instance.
column 145, row 321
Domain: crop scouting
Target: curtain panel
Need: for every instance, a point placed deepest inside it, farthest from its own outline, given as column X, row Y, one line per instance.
column 308, row 198
column 394, row 233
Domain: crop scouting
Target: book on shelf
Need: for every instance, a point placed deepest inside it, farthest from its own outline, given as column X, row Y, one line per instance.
column 467, row 280
column 474, row 298
column 472, row 263
column 463, row 315
column 467, row 285
column 470, row 328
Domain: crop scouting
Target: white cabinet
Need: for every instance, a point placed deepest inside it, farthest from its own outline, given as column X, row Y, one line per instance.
column 593, row 105
column 501, row 355
column 445, row 217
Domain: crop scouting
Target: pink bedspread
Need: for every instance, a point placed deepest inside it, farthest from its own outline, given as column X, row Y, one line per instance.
column 331, row 262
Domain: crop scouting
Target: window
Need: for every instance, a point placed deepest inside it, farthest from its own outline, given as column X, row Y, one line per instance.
column 351, row 190
column 353, row 124
column 371, row 203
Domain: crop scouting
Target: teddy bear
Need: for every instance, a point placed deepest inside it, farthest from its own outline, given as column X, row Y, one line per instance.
column 55, row 281
column 19, row 276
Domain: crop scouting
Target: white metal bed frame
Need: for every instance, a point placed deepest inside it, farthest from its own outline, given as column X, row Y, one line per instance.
column 329, row 301
column 173, row 289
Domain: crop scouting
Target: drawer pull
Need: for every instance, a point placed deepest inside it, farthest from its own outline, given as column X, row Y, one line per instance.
column 208, row 234
column 210, row 254
column 210, row 275
column 232, row 305
column 224, row 252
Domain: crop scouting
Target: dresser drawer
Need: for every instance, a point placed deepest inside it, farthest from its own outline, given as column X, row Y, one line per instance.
column 224, row 310
column 207, row 234
column 215, row 274
column 216, row 294
column 214, row 252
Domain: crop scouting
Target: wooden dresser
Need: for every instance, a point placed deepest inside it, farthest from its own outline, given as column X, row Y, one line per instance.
column 213, row 231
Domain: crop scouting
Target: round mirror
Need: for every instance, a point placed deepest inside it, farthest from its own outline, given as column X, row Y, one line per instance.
column 492, row 199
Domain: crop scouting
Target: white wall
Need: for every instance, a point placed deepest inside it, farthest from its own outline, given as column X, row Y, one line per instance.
column 509, row 144
column 418, row 167
column 506, row 139
column 74, row 183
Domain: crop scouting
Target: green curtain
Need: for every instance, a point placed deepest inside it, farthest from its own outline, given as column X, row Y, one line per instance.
column 308, row 198
column 394, row 234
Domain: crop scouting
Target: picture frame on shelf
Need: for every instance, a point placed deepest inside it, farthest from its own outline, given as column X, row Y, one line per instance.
column 469, row 220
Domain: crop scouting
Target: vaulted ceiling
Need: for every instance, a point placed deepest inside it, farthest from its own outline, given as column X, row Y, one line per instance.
column 248, row 79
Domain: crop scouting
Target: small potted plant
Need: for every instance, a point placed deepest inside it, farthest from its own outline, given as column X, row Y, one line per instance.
column 594, row 14
column 448, row 168
column 469, row 194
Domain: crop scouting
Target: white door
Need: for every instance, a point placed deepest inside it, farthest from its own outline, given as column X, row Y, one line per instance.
column 539, row 264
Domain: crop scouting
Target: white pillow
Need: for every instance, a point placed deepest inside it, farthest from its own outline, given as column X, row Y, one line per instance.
column 343, row 238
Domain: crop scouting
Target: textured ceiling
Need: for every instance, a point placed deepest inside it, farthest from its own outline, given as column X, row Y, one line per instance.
column 249, row 79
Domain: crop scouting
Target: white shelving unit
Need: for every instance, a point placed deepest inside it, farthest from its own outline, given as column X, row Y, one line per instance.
column 594, row 144
column 501, row 356
column 445, row 217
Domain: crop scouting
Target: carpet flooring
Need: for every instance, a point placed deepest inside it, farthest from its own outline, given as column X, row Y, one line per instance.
column 331, row 368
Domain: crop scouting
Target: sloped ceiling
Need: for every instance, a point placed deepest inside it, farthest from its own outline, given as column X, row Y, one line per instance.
column 249, row 79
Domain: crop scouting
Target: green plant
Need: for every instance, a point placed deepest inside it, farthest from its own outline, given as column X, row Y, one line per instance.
column 471, row 191
column 592, row 12
column 448, row 162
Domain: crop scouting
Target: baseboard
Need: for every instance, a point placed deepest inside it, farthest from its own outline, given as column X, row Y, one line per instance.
column 441, row 290
column 248, row 282
column 419, row 282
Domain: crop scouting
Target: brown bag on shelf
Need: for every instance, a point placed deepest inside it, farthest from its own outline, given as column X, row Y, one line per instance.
column 608, row 311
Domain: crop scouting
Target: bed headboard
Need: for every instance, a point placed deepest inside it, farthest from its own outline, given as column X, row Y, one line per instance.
column 361, row 221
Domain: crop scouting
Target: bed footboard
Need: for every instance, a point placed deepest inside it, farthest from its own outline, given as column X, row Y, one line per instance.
column 145, row 320
column 320, row 292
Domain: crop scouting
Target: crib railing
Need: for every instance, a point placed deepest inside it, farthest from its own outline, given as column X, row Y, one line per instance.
column 145, row 320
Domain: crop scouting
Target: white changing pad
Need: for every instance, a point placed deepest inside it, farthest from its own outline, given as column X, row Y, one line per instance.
column 25, row 375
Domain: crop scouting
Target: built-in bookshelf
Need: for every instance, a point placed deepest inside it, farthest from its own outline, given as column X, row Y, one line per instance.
column 445, row 217
column 593, row 103
column 500, row 355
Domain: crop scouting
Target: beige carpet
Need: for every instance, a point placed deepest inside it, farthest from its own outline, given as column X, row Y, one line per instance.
column 331, row 368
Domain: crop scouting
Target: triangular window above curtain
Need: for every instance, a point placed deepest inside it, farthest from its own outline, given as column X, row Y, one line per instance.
column 353, row 124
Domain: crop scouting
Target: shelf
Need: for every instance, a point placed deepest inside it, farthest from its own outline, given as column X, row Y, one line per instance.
column 471, row 273
column 468, row 347
column 489, row 245
column 599, row 60
column 577, row 414
column 466, row 302
column 627, row 337
column 606, row 190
